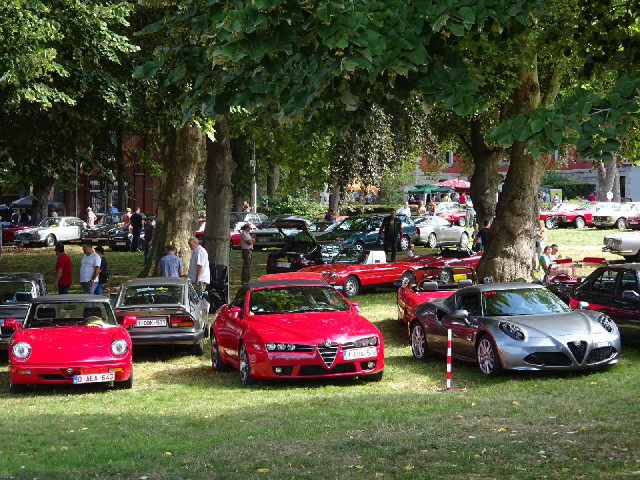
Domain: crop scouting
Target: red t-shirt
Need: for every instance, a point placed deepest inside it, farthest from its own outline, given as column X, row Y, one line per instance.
column 64, row 263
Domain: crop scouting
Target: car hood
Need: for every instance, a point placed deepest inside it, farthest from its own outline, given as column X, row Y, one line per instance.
column 338, row 236
column 34, row 229
column 574, row 323
column 622, row 236
column 311, row 328
column 18, row 311
column 55, row 345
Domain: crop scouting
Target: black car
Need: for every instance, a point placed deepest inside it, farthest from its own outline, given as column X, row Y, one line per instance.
column 294, row 256
column 615, row 291
column 107, row 223
column 16, row 292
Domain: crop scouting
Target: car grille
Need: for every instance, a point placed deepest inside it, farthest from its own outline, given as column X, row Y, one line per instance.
column 609, row 242
column 328, row 353
column 561, row 218
column 600, row 354
column 599, row 219
column 549, row 359
column 315, row 370
column 578, row 349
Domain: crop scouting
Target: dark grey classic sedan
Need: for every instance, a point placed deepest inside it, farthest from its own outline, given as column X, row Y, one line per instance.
column 516, row 326
column 16, row 292
column 168, row 311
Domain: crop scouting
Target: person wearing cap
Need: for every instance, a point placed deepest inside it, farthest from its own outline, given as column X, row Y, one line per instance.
column 126, row 218
column 246, row 245
column 91, row 218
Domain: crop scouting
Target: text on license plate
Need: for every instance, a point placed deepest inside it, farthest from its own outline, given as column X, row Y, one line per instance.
column 151, row 322
column 94, row 377
column 283, row 264
column 121, row 243
column 359, row 353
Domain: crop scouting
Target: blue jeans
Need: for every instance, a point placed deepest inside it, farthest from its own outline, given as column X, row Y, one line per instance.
column 89, row 289
column 147, row 252
column 63, row 289
column 98, row 290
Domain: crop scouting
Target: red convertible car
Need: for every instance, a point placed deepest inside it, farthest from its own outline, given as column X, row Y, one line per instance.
column 448, row 257
column 290, row 328
column 352, row 269
column 70, row 339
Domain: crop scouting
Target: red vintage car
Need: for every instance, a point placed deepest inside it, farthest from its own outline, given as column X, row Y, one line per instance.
column 427, row 287
column 294, row 328
column 234, row 233
column 448, row 257
column 353, row 270
column 580, row 217
column 549, row 216
column 69, row 339
column 9, row 234
column 452, row 212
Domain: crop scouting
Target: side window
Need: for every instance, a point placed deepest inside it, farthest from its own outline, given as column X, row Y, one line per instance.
column 469, row 303
column 375, row 224
column 628, row 281
column 605, row 282
column 238, row 300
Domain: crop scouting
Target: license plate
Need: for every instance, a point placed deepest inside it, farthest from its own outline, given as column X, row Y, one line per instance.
column 359, row 353
column 261, row 240
column 151, row 322
column 94, row 378
column 283, row 264
column 121, row 243
column 601, row 344
column 25, row 242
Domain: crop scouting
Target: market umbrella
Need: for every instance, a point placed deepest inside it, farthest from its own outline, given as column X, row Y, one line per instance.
column 455, row 183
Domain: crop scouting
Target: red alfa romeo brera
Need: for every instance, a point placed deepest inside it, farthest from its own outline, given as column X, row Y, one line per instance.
column 294, row 328
column 70, row 339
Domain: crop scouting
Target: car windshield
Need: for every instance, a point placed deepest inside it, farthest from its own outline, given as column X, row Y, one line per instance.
column 294, row 299
column 152, row 295
column 350, row 256
column 521, row 301
column 51, row 222
column 70, row 314
column 237, row 217
column 110, row 219
column 15, row 292
column 353, row 224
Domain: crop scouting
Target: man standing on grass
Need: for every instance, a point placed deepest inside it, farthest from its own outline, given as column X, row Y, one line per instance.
column 63, row 270
column 170, row 265
column 89, row 268
column 199, row 266
column 392, row 230
column 136, row 229
column 246, row 245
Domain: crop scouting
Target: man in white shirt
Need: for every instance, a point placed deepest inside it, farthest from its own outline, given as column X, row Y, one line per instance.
column 199, row 266
column 404, row 210
column 89, row 268
column 246, row 244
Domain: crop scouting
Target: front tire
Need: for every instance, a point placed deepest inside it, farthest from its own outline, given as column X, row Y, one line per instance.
column 548, row 222
column 464, row 240
column 404, row 243
column 432, row 241
column 462, row 221
column 50, row 241
column 17, row 388
column 579, row 222
column 419, row 346
column 621, row 224
column 406, row 278
column 245, row 367
column 488, row 358
column 126, row 384
column 351, row 286
column 217, row 365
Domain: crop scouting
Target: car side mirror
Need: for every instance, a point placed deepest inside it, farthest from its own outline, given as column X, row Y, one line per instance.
column 583, row 306
column 355, row 306
column 630, row 295
column 11, row 323
column 235, row 312
column 460, row 314
column 129, row 321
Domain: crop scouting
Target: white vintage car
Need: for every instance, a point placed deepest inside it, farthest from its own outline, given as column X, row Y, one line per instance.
column 615, row 215
column 626, row 244
column 52, row 230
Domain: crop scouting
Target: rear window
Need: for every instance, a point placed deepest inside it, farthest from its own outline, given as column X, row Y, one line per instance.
column 15, row 292
column 146, row 295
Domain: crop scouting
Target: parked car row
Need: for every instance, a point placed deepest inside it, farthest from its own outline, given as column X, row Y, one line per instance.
column 598, row 214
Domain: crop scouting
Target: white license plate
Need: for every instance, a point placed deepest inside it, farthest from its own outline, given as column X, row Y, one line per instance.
column 601, row 344
column 261, row 240
column 25, row 242
column 151, row 322
column 94, row 378
column 359, row 353
column 121, row 243
column 283, row 264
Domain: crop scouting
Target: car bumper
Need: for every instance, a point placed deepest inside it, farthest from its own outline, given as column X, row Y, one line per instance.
column 619, row 251
column 178, row 338
column 58, row 374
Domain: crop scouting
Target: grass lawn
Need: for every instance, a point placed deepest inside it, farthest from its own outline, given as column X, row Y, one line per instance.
column 182, row 421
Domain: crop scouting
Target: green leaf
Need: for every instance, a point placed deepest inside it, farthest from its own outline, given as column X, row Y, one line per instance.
column 467, row 14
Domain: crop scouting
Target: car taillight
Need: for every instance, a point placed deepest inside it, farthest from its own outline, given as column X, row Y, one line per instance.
column 181, row 321
column 417, row 231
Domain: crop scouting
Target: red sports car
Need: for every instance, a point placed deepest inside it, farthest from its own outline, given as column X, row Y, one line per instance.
column 579, row 217
column 352, row 270
column 9, row 234
column 448, row 257
column 70, row 339
column 289, row 328
column 234, row 233
column 548, row 216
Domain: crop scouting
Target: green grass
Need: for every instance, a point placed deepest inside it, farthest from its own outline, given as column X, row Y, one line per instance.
column 180, row 420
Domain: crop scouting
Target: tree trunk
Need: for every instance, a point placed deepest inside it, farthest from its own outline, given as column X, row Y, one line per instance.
column 509, row 253
column 121, row 175
column 220, row 166
column 608, row 180
column 334, row 199
column 485, row 179
column 273, row 177
column 39, row 206
column 178, row 200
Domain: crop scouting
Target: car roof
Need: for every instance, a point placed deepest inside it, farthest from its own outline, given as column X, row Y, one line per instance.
column 155, row 281
column 623, row 266
column 285, row 282
column 21, row 276
column 490, row 287
column 74, row 297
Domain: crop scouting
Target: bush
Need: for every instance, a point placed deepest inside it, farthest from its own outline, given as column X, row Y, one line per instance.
column 296, row 206
column 570, row 189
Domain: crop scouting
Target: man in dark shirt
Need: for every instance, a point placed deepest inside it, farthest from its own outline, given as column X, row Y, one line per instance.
column 330, row 216
column 392, row 230
column 136, row 229
column 149, row 230
column 484, row 235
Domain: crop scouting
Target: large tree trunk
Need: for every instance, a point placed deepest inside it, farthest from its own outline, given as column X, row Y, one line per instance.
column 334, row 198
column 273, row 177
column 178, row 200
column 121, row 174
column 608, row 180
column 220, row 166
column 485, row 179
column 39, row 207
column 508, row 256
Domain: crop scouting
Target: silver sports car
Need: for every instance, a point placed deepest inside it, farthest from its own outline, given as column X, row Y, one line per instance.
column 515, row 326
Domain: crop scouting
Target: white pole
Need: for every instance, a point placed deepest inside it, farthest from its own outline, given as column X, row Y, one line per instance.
column 255, row 181
column 448, row 359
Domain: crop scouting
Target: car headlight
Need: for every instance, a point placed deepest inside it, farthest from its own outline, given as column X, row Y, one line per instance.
column 280, row 347
column 512, row 330
column 119, row 347
column 330, row 275
column 606, row 322
column 366, row 342
column 21, row 350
